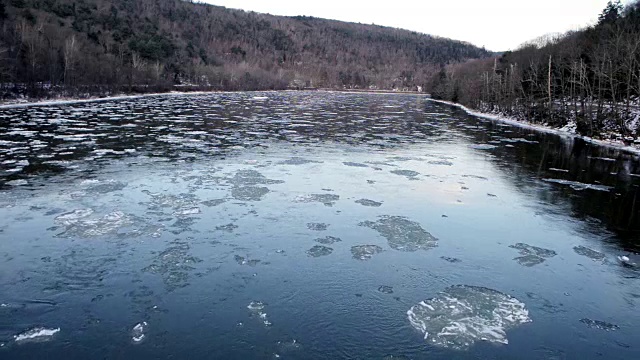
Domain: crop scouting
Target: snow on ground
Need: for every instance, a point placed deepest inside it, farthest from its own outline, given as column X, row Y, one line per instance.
column 566, row 131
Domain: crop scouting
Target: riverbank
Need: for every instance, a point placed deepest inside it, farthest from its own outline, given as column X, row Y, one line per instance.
column 566, row 131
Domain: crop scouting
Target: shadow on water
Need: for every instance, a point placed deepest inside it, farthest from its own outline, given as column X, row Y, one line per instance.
column 570, row 167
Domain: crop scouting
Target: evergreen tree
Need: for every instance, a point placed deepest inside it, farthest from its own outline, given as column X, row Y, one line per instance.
column 611, row 13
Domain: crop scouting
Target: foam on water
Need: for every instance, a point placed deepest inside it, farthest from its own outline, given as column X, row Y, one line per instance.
column 461, row 315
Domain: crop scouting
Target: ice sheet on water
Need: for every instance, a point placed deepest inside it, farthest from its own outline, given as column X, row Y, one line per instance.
column 103, row 187
column 317, row 226
column 482, row 146
column 402, row 234
column 367, row 202
column 326, row 199
column 36, row 334
column 328, row 240
column 213, row 202
column 440, row 162
column 92, row 227
column 241, row 260
column 590, row 253
column 249, row 193
column 365, row 252
column 72, row 217
column 354, row 164
column 408, row 173
column 461, row 315
column 319, row 250
column 299, row 161
column 138, row 333
column 532, row 255
column 174, row 265
column 251, row 178
column 578, row 186
column 597, row 324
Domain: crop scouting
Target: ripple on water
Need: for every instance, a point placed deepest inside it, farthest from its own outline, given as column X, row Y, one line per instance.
column 532, row 255
column 365, row 252
column 461, row 315
column 402, row 234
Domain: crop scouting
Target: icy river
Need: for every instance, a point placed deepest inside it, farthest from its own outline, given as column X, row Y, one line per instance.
column 310, row 225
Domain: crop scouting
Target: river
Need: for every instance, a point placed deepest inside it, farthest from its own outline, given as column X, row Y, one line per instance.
column 310, row 225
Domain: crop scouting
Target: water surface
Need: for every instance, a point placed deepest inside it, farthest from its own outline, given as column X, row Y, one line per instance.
column 310, row 226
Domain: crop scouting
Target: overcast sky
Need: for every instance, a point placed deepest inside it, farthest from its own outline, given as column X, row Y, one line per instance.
column 496, row 24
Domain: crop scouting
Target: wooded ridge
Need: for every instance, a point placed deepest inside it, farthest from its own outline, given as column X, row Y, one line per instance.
column 153, row 45
column 585, row 81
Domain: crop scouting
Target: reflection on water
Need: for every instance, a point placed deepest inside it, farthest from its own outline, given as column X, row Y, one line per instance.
column 142, row 228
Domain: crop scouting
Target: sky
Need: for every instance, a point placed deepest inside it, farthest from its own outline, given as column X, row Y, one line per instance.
column 498, row 25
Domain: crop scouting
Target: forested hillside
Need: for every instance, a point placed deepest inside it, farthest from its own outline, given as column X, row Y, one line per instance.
column 587, row 81
column 138, row 44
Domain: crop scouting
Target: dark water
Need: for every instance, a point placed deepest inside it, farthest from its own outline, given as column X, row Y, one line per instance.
column 310, row 226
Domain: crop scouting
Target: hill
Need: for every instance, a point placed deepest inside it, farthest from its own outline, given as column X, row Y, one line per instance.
column 165, row 43
column 586, row 81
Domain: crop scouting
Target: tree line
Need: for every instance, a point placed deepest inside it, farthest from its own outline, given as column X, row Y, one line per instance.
column 589, row 79
column 143, row 45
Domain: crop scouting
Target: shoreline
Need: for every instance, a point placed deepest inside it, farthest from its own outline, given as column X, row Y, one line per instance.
column 617, row 145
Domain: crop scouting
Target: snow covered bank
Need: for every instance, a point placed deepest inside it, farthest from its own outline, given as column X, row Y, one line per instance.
column 568, row 131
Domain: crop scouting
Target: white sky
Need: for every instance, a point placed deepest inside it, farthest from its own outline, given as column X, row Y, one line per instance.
column 496, row 24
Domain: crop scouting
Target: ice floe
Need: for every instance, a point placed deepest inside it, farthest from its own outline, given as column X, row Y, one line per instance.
column 461, row 315
column 402, row 234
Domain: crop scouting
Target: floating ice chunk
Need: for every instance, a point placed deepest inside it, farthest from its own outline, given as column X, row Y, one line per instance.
column 73, row 216
column 326, row 199
column 36, row 334
column 138, row 332
column 408, row 173
column 257, row 308
column 532, row 255
column 299, row 161
column 402, row 234
column 578, row 186
column 319, row 250
column 354, row 164
column 259, row 98
column 367, row 202
column 482, row 146
column 317, row 226
column 365, row 252
column 187, row 212
column 626, row 261
column 385, row 289
column 461, row 315
column 18, row 182
column 597, row 324
column 590, row 253
column 249, row 193
column 327, row 240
